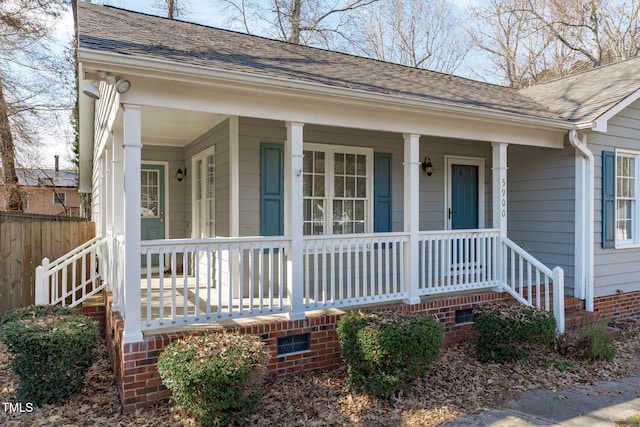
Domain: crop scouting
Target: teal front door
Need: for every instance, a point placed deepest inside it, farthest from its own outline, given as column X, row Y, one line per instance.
column 152, row 204
column 463, row 212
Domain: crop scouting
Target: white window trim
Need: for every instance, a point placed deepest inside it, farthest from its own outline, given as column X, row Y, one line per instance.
column 330, row 150
column 634, row 242
column 202, row 155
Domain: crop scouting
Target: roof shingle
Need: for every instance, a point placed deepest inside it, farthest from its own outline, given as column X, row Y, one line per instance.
column 113, row 30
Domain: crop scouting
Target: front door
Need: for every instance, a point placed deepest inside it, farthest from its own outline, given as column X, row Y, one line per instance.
column 152, row 201
column 463, row 212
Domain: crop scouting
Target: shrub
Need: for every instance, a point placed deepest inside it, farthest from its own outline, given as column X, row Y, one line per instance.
column 385, row 349
column 52, row 351
column 589, row 341
column 505, row 330
column 216, row 378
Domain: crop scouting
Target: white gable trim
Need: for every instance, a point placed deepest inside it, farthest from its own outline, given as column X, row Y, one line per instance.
column 600, row 124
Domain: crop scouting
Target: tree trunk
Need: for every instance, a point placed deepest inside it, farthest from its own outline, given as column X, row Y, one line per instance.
column 7, row 157
column 294, row 37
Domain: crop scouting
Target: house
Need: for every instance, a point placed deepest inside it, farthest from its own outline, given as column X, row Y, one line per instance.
column 48, row 191
column 253, row 184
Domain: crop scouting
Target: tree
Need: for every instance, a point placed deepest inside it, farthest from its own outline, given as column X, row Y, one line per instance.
column 172, row 9
column 530, row 41
column 28, row 75
column 307, row 22
column 423, row 34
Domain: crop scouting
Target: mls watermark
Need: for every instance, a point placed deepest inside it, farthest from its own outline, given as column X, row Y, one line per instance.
column 17, row 407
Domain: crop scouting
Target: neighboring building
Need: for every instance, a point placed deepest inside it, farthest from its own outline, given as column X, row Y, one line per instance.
column 48, row 191
column 245, row 182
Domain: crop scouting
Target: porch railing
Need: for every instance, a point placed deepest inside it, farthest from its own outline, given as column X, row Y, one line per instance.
column 356, row 269
column 195, row 281
column 72, row 278
column 453, row 261
column 531, row 282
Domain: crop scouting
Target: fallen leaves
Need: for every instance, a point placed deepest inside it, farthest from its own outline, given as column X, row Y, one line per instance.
column 457, row 384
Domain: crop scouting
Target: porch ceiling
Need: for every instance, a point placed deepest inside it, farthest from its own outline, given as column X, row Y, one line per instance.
column 173, row 127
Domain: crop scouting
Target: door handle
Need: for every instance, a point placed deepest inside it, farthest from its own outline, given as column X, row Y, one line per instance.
column 451, row 213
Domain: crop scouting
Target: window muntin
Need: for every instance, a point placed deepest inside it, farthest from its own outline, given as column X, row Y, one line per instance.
column 626, row 223
column 336, row 189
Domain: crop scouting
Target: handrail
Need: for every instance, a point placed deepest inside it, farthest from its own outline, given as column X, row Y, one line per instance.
column 526, row 255
column 58, row 281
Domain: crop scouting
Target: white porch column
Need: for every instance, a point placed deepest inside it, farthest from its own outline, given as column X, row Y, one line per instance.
column 234, row 177
column 117, row 175
column 108, row 185
column 500, row 186
column 293, row 217
column 412, row 215
column 132, row 157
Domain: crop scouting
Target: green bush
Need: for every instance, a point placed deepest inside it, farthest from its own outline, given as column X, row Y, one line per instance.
column 590, row 341
column 216, row 378
column 52, row 351
column 385, row 349
column 505, row 330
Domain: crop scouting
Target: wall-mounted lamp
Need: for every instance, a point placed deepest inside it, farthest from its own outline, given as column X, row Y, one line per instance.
column 180, row 174
column 427, row 167
column 122, row 86
column 92, row 90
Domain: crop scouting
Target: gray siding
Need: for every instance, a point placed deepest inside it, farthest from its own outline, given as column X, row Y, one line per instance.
column 615, row 269
column 541, row 205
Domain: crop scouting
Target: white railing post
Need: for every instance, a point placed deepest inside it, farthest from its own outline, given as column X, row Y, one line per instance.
column 42, row 288
column 558, row 298
column 293, row 219
column 412, row 216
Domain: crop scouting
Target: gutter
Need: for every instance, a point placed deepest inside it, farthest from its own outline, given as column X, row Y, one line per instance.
column 585, row 233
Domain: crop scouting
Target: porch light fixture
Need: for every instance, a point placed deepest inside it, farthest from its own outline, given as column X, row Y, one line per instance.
column 122, row 86
column 92, row 90
column 427, row 167
column 180, row 174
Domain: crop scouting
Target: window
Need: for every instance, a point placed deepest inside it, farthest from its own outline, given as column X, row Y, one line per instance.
column 59, row 198
column 149, row 193
column 204, row 187
column 337, row 189
column 626, row 202
column 620, row 213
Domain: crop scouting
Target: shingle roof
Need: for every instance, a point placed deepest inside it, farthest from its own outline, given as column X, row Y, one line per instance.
column 584, row 97
column 47, row 177
column 113, row 30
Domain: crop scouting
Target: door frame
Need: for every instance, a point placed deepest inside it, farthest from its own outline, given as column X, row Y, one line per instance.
column 467, row 161
column 165, row 164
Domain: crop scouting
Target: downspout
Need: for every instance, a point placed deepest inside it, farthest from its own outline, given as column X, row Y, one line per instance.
column 587, row 213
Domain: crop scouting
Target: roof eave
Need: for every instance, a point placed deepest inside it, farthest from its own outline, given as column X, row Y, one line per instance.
column 197, row 72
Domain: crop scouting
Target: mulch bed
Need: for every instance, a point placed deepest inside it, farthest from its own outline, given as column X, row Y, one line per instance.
column 457, row 384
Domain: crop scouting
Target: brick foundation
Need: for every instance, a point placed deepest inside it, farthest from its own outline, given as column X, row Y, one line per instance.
column 620, row 306
column 139, row 383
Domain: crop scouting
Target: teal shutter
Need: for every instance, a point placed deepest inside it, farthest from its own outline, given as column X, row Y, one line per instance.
column 382, row 207
column 608, row 199
column 271, row 189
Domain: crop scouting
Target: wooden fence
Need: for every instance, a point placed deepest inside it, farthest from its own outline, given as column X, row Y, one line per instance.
column 23, row 245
